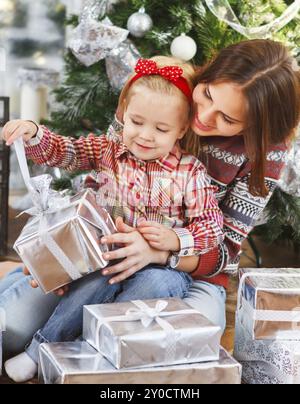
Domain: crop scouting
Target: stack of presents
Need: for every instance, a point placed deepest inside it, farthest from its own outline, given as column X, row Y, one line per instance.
column 154, row 341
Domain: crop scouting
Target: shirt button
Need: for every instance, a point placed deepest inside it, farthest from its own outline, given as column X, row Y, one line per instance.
column 138, row 195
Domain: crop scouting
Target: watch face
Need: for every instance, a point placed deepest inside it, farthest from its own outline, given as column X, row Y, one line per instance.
column 174, row 261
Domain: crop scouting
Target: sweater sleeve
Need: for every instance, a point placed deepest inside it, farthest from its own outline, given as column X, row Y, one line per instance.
column 204, row 219
column 241, row 211
column 67, row 152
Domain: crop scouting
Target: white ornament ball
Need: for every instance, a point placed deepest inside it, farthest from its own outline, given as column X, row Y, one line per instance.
column 184, row 47
column 139, row 23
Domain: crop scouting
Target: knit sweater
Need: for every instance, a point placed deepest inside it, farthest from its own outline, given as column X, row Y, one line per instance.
column 229, row 169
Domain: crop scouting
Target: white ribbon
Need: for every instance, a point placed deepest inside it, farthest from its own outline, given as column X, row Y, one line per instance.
column 267, row 315
column 223, row 11
column 292, row 316
column 49, row 242
column 147, row 315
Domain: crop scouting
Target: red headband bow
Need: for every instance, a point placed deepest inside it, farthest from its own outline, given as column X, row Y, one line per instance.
column 174, row 74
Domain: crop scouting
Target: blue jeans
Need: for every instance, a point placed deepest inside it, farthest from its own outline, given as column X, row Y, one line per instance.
column 27, row 309
column 65, row 324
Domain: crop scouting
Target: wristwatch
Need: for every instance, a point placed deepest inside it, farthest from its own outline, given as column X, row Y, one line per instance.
column 173, row 260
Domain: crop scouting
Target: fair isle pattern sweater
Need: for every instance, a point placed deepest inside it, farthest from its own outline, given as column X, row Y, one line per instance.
column 229, row 169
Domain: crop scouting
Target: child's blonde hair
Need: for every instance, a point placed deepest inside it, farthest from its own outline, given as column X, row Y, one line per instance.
column 158, row 83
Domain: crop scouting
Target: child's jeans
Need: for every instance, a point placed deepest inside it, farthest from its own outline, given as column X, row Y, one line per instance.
column 65, row 324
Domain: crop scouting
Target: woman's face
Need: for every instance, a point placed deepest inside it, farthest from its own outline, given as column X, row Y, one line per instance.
column 220, row 110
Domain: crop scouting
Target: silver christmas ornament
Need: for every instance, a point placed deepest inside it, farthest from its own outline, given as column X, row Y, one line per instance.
column 139, row 23
column 184, row 47
column 120, row 64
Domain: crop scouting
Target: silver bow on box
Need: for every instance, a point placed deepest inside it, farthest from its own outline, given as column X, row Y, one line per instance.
column 61, row 242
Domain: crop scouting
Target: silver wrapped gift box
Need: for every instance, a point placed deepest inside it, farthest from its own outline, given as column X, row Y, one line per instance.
column 266, row 362
column 63, row 244
column 269, row 303
column 79, row 363
column 150, row 333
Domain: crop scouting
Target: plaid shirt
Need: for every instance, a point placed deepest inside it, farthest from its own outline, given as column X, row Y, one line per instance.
column 174, row 190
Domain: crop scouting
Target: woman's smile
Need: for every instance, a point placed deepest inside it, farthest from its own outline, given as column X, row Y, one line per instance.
column 201, row 126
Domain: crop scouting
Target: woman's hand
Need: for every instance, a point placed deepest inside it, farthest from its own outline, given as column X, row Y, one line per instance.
column 18, row 128
column 34, row 284
column 136, row 253
column 159, row 236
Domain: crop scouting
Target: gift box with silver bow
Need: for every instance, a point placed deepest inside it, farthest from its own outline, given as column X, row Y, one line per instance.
column 61, row 242
column 269, row 303
column 79, row 363
column 266, row 362
column 150, row 333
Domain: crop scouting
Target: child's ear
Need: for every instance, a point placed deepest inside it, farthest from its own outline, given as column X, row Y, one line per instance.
column 184, row 131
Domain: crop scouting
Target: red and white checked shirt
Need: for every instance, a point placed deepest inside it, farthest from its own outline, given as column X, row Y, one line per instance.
column 174, row 190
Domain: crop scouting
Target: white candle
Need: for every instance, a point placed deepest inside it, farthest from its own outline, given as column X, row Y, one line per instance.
column 33, row 103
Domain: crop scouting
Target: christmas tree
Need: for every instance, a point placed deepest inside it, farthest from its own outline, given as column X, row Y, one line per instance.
column 87, row 98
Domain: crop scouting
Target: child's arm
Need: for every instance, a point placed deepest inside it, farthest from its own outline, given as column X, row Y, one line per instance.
column 45, row 147
column 205, row 221
column 204, row 230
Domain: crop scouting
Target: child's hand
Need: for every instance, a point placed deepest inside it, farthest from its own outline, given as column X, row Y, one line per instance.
column 159, row 236
column 136, row 253
column 18, row 128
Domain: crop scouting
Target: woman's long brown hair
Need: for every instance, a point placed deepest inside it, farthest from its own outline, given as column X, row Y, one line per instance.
column 264, row 70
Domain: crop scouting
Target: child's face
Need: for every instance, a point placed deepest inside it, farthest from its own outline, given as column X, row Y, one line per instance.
column 153, row 123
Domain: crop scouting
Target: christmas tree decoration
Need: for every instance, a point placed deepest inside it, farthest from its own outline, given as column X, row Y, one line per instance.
column 290, row 179
column 34, row 83
column 224, row 12
column 184, row 47
column 120, row 64
column 92, row 41
column 139, row 23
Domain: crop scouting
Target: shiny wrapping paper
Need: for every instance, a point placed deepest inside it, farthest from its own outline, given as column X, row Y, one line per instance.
column 269, row 304
column 79, row 363
column 188, row 337
column 76, row 231
column 266, row 362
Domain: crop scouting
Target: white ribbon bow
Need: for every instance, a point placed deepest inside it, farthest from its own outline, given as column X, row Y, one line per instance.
column 146, row 314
